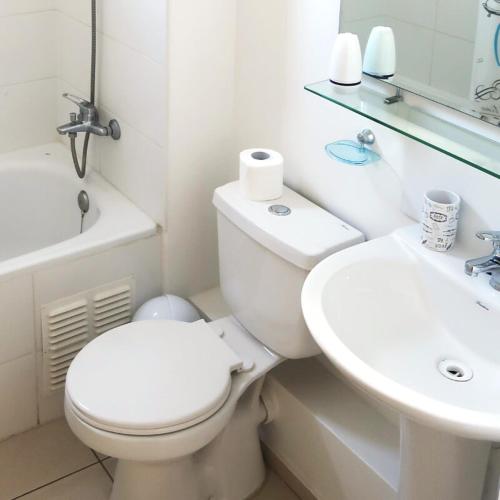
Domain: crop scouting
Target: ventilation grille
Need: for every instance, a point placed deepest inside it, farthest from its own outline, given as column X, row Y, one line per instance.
column 69, row 324
column 67, row 332
column 112, row 308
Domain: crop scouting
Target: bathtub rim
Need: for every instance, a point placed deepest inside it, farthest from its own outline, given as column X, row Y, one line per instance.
column 119, row 222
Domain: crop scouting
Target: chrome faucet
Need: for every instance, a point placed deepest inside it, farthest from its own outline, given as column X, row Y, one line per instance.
column 489, row 263
column 87, row 121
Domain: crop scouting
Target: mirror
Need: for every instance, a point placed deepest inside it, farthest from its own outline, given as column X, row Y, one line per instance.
column 447, row 50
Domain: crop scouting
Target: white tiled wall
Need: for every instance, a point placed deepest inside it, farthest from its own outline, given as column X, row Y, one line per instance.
column 17, row 363
column 23, row 402
column 28, row 73
column 139, row 259
column 435, row 38
column 18, row 396
column 131, row 88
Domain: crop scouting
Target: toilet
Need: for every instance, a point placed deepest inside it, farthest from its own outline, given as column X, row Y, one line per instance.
column 180, row 404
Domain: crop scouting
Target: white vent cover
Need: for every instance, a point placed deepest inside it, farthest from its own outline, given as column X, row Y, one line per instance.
column 71, row 323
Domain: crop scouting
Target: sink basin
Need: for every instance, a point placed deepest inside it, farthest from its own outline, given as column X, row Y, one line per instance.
column 407, row 326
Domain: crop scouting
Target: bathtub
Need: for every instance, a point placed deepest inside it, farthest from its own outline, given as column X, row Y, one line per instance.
column 52, row 274
column 39, row 215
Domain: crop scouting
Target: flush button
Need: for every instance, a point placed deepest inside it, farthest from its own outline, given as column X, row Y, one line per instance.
column 280, row 210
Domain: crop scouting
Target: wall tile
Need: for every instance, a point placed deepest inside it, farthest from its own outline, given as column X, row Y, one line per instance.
column 28, row 62
column 34, row 100
column 414, row 46
column 363, row 28
column 452, row 65
column 141, row 25
column 458, row 18
column 140, row 259
column 130, row 85
column 77, row 9
column 29, row 39
column 355, row 10
column 18, row 410
column 74, row 53
column 421, row 13
column 12, row 7
column 136, row 166
column 133, row 87
column 17, row 337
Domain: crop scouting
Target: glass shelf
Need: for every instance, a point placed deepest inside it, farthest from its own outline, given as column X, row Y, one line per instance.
column 463, row 145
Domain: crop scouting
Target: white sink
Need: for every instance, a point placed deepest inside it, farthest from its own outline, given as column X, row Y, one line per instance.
column 388, row 312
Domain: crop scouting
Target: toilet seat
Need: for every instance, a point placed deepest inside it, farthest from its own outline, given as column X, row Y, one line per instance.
column 151, row 377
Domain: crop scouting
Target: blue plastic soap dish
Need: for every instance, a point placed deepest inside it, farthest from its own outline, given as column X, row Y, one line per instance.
column 352, row 153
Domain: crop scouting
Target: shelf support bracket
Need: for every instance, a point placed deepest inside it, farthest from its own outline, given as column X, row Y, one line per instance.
column 396, row 98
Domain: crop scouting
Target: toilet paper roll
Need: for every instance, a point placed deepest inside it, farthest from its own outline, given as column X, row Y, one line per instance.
column 261, row 174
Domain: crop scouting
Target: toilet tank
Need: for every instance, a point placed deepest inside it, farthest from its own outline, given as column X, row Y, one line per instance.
column 266, row 250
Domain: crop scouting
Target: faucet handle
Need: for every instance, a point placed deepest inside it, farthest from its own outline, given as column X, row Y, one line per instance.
column 493, row 236
column 81, row 103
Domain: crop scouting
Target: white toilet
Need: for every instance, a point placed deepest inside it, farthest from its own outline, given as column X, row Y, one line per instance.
column 179, row 404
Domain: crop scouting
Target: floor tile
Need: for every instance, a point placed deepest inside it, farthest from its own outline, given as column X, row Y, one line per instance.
column 39, row 456
column 100, row 455
column 110, row 464
column 90, row 484
column 274, row 489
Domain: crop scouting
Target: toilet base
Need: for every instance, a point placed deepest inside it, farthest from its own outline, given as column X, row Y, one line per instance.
column 231, row 467
column 156, row 481
column 217, row 459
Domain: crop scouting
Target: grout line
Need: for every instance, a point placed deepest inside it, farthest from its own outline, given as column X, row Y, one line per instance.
column 101, row 463
column 104, row 34
column 26, row 13
column 27, row 82
column 55, row 480
column 106, row 471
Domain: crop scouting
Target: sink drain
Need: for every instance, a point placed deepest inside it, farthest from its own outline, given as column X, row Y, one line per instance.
column 455, row 370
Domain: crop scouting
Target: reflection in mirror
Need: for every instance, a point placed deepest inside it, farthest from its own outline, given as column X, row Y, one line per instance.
column 447, row 50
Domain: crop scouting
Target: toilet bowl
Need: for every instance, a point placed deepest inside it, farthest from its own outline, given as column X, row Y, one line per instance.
column 166, row 391
column 179, row 404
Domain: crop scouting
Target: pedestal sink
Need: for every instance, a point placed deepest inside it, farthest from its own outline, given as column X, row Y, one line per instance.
column 408, row 327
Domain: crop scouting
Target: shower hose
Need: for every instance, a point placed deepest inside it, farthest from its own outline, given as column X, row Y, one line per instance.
column 81, row 170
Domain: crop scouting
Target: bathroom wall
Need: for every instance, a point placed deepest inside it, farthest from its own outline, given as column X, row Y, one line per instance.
column 284, row 44
column 174, row 99
column 201, row 132
column 236, row 73
column 131, row 87
column 28, row 73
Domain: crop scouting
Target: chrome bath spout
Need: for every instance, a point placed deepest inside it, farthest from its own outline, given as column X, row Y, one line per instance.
column 489, row 263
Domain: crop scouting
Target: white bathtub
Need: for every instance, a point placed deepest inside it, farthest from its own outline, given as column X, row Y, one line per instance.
column 40, row 217
column 47, row 266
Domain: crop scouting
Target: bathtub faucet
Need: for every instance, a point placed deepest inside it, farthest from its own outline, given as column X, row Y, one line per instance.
column 87, row 121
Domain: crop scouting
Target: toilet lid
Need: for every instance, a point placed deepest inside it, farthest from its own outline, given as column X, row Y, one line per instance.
column 151, row 377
